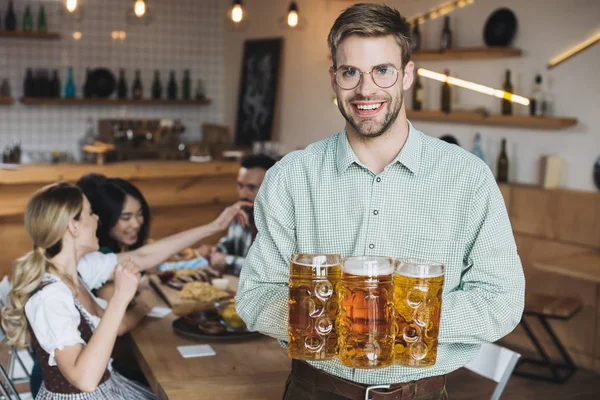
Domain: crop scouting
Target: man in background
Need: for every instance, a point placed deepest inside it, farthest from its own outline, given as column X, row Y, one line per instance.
column 229, row 254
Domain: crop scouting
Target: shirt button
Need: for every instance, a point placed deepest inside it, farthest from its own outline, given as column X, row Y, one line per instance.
column 375, row 212
column 371, row 246
column 378, row 179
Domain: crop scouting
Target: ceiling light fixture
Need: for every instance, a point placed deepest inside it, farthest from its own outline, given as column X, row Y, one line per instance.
column 574, row 50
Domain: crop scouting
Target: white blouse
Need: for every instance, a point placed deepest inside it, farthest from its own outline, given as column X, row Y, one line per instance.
column 52, row 312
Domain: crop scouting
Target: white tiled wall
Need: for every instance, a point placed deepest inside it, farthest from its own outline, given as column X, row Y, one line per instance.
column 184, row 34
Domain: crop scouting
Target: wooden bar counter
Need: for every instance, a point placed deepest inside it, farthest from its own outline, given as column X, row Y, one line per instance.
column 181, row 195
column 255, row 368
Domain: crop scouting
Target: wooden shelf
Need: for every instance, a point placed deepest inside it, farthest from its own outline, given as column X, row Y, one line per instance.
column 467, row 53
column 29, row 35
column 6, row 100
column 114, row 102
column 475, row 118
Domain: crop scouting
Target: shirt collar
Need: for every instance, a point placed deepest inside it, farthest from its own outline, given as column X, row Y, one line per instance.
column 409, row 156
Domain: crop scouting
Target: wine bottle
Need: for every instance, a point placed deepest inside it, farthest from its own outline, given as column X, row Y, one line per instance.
column 477, row 150
column 186, row 86
column 87, row 86
column 70, row 86
column 446, row 40
column 416, row 37
column 122, row 85
column 41, row 24
column 507, row 104
column 28, row 84
column 156, row 88
column 137, row 89
column 172, row 86
column 55, row 85
column 418, row 94
column 502, row 173
column 536, row 101
column 10, row 21
column 446, row 107
column 27, row 20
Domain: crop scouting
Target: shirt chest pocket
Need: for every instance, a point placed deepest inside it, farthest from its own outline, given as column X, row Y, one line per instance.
column 447, row 252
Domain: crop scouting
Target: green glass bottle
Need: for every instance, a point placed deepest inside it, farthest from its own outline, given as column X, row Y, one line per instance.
column 42, row 26
column 186, row 87
column 10, row 20
column 27, row 20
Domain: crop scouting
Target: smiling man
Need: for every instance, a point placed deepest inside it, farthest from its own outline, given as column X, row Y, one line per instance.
column 382, row 188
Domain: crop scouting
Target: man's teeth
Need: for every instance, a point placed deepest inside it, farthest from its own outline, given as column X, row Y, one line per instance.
column 368, row 106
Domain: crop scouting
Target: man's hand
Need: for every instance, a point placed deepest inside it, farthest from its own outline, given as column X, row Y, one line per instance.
column 217, row 261
column 204, row 251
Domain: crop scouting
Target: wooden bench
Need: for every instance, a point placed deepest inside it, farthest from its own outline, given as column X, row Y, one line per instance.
column 545, row 307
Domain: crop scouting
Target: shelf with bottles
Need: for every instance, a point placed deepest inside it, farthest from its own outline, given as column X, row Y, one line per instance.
column 6, row 100
column 467, row 53
column 29, row 35
column 478, row 118
column 72, row 101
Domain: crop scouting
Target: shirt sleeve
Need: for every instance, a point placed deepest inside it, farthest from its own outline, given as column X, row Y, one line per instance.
column 54, row 319
column 262, row 298
column 489, row 302
column 96, row 268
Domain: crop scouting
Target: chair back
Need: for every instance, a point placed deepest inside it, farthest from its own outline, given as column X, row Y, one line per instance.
column 496, row 363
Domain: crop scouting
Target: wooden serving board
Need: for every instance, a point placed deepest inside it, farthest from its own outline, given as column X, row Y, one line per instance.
column 185, row 306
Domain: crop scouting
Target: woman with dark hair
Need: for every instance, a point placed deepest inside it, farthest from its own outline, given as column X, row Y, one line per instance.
column 123, row 212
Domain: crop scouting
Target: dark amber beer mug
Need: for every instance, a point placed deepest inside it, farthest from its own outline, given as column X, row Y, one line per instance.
column 418, row 289
column 313, row 306
column 366, row 318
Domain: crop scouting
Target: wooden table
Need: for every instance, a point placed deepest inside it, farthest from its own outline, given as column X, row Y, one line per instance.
column 253, row 369
column 585, row 266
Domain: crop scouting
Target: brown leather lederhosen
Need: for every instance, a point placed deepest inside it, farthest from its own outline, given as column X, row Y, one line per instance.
column 54, row 380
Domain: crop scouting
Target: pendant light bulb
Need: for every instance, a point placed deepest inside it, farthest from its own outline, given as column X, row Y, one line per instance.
column 292, row 17
column 139, row 8
column 237, row 13
column 71, row 5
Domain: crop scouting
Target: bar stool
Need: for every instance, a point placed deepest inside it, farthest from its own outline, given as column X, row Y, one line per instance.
column 545, row 307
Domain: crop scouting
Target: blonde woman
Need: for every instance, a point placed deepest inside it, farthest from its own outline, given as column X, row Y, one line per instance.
column 50, row 307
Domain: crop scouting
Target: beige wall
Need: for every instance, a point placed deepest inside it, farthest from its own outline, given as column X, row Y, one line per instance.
column 305, row 112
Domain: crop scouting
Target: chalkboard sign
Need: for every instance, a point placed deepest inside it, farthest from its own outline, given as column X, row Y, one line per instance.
column 258, row 87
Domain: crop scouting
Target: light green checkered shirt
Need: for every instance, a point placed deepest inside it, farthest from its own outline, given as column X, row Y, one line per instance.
column 435, row 201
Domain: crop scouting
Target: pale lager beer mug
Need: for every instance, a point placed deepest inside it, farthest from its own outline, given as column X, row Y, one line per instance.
column 313, row 306
column 366, row 319
column 418, row 289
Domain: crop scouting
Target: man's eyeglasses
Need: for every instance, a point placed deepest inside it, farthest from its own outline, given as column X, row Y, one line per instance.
column 348, row 77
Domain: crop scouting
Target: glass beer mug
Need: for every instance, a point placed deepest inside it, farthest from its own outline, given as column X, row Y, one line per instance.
column 418, row 300
column 366, row 319
column 313, row 306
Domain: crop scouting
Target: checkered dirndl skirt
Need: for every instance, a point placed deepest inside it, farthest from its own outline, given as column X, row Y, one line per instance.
column 116, row 388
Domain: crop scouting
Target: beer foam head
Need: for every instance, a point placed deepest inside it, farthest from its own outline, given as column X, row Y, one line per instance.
column 368, row 266
column 419, row 268
column 316, row 260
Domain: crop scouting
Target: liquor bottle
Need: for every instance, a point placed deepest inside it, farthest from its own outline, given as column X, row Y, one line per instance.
column 416, row 37
column 548, row 100
column 418, row 94
column 28, row 84
column 122, row 85
column 88, row 138
column 507, row 104
column 200, row 92
column 446, row 41
column 477, row 150
column 27, row 20
column 55, row 85
column 70, row 86
column 87, row 86
column 186, row 85
column 502, row 172
column 10, row 21
column 156, row 86
column 137, row 89
column 446, row 95
column 41, row 24
column 172, row 86
column 536, row 101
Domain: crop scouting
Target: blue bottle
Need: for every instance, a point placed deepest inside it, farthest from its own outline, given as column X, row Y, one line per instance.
column 477, row 150
column 70, row 86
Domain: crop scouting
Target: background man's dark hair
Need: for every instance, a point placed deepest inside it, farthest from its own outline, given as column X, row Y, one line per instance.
column 257, row 161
